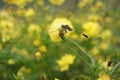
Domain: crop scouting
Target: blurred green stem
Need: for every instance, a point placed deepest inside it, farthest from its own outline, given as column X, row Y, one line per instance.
column 93, row 63
column 114, row 68
column 46, row 63
column 79, row 54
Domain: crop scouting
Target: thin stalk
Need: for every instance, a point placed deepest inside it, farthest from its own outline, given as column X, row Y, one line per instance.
column 79, row 55
column 49, row 69
column 93, row 63
column 114, row 68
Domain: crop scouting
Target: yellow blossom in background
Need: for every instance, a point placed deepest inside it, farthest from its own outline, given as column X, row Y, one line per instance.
column 19, row 3
column 104, row 45
column 88, row 1
column 8, row 30
column 22, row 72
column 42, row 48
column 20, row 12
column 34, row 29
column 108, row 20
column 92, row 29
column 48, row 17
column 108, row 64
column 56, row 79
column 53, row 29
column 106, row 35
column 38, row 55
column 24, row 52
column 36, row 42
column 9, row 1
column 10, row 10
column 65, row 62
column 95, row 51
column 4, row 15
column 30, row 13
column 93, row 9
column 57, row 2
column 11, row 61
column 83, row 3
column 14, row 50
column 104, row 77
column 40, row 2
column 99, row 4
column 93, row 17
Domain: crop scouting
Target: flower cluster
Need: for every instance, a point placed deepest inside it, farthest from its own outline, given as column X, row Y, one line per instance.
column 65, row 61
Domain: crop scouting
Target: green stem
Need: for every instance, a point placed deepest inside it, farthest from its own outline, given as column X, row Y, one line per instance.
column 49, row 69
column 93, row 63
column 114, row 68
column 79, row 55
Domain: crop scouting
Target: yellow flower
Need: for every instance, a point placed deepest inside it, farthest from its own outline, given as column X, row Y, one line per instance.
column 93, row 8
column 92, row 29
column 53, row 29
column 7, row 30
column 11, row 61
column 106, row 35
column 20, row 12
column 56, row 79
column 106, row 64
column 93, row 17
column 83, row 3
column 108, row 20
column 19, row 3
column 65, row 61
column 24, row 52
column 88, row 1
column 104, row 77
column 36, row 42
column 95, row 51
column 99, row 4
column 57, row 2
column 38, row 55
column 29, row 13
column 42, row 48
column 40, row 2
column 34, row 29
column 14, row 50
column 104, row 45
column 22, row 72
column 48, row 17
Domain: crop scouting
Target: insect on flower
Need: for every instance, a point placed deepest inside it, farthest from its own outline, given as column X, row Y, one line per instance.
column 109, row 63
column 63, row 30
column 84, row 35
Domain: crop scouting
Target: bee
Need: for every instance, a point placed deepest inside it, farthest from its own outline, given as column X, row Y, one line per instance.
column 109, row 63
column 63, row 30
column 66, row 27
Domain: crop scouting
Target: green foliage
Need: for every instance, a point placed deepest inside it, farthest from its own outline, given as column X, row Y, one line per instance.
column 27, row 51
